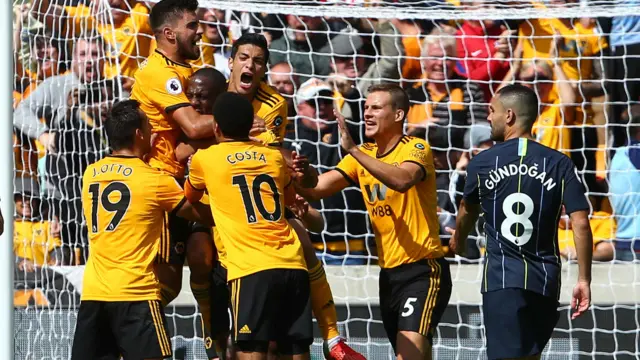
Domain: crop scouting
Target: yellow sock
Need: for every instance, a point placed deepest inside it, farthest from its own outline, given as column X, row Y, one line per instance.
column 322, row 303
column 201, row 293
column 167, row 295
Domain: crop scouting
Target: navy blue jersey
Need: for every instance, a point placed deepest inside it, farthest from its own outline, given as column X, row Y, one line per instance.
column 521, row 187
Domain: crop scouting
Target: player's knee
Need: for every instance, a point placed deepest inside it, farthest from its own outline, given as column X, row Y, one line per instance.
column 411, row 345
column 200, row 254
column 170, row 276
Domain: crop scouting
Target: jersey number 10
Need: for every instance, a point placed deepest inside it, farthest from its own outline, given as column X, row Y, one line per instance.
column 249, row 207
column 119, row 207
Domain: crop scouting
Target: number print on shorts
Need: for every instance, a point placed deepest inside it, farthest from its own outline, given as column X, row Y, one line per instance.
column 408, row 307
column 521, row 220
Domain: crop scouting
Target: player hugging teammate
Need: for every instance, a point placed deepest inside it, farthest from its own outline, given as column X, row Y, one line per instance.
column 177, row 105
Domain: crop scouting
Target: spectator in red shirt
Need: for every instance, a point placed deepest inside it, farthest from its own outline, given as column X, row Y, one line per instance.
column 483, row 51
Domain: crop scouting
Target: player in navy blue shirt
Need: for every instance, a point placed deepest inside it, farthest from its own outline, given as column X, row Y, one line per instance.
column 520, row 187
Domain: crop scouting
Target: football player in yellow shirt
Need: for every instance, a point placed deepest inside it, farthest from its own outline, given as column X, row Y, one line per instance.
column 124, row 201
column 265, row 262
column 160, row 89
column 248, row 64
column 397, row 178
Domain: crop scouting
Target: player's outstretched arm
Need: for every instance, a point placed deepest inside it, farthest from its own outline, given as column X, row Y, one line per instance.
column 328, row 184
column 467, row 216
column 583, row 238
column 311, row 217
column 193, row 124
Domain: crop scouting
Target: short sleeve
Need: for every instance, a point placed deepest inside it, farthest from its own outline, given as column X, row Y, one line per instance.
column 276, row 123
column 169, row 194
column 574, row 198
column 472, row 184
column 419, row 153
column 348, row 167
column 196, row 172
column 165, row 90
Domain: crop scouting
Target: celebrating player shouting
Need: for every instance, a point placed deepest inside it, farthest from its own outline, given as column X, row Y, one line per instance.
column 397, row 179
column 160, row 85
column 248, row 64
column 266, row 267
column 521, row 186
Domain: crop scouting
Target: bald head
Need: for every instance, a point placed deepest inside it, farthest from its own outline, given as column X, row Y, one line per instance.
column 282, row 78
column 523, row 101
column 204, row 87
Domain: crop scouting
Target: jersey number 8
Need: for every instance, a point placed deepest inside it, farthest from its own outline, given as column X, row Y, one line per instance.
column 119, row 207
column 250, row 209
column 519, row 218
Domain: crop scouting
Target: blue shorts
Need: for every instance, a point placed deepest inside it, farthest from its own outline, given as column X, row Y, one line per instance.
column 518, row 322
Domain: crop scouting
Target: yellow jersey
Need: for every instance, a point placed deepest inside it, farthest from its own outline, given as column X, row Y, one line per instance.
column 246, row 190
column 551, row 128
column 405, row 224
column 125, row 202
column 217, row 240
column 579, row 47
column 32, row 240
column 269, row 105
column 160, row 89
column 128, row 43
column 603, row 227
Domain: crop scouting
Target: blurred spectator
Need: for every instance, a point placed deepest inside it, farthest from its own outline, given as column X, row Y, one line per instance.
column 73, row 106
column 36, row 239
column 46, row 56
column 215, row 49
column 579, row 53
column 300, row 46
column 444, row 104
column 623, row 72
column 556, row 109
column 282, row 78
column 410, row 35
column 483, row 49
column 624, row 194
column 124, row 24
column 344, row 239
column 603, row 227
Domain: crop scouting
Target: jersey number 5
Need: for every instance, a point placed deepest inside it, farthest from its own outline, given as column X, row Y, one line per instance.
column 250, row 209
column 118, row 207
column 524, row 227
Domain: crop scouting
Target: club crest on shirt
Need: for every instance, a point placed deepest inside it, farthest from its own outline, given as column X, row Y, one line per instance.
column 173, row 86
column 419, row 146
column 277, row 121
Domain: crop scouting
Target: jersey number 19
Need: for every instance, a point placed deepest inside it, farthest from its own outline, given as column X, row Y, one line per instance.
column 118, row 207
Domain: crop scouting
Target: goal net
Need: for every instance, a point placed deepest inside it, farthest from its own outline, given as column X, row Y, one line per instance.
column 74, row 58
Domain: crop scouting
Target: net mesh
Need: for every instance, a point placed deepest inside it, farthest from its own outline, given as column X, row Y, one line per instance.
column 74, row 58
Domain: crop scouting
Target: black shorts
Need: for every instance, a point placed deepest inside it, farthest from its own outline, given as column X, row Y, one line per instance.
column 518, row 322
column 219, row 296
column 272, row 305
column 413, row 297
column 133, row 329
column 175, row 237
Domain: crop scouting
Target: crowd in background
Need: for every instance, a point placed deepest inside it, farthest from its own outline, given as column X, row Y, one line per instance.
column 75, row 58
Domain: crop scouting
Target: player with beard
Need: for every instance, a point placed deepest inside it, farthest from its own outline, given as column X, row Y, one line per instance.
column 248, row 65
column 159, row 88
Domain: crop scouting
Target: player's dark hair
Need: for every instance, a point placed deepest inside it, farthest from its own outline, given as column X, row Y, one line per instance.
column 121, row 125
column 234, row 115
column 399, row 97
column 166, row 11
column 523, row 101
column 251, row 39
column 215, row 77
